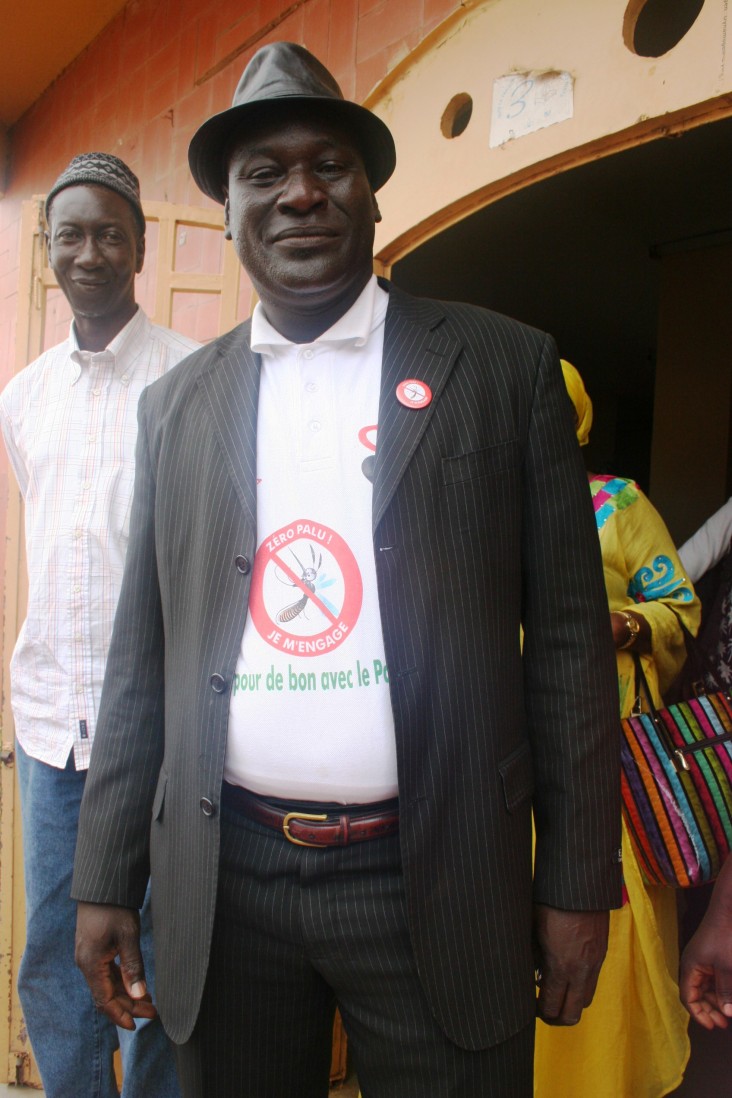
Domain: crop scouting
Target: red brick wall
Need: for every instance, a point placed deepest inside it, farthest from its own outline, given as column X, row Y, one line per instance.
column 161, row 68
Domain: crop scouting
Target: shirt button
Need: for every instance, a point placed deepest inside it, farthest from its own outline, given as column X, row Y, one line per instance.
column 311, row 387
column 77, row 588
column 91, row 438
column 96, row 392
column 78, row 534
column 207, row 807
column 315, row 426
column 79, row 688
column 308, row 353
column 86, row 485
column 243, row 565
column 218, row 683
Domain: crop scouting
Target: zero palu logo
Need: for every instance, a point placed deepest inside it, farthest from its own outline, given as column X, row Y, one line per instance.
column 307, row 589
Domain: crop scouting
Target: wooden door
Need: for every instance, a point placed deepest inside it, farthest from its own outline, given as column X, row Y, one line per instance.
column 192, row 282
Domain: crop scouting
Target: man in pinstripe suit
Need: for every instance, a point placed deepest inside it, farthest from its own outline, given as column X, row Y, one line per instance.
column 319, row 732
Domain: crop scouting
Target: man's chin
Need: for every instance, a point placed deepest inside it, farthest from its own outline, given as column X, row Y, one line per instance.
column 313, row 290
column 89, row 312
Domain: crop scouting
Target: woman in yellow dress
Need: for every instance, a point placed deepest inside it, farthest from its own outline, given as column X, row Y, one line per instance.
column 632, row 1041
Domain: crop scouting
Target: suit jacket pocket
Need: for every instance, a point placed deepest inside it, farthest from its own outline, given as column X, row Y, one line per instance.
column 481, row 490
column 480, row 463
column 517, row 776
column 159, row 798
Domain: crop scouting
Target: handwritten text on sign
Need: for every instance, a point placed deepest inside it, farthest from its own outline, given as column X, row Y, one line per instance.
column 527, row 101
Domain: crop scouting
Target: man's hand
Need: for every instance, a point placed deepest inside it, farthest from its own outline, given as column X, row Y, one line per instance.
column 706, row 963
column 570, row 948
column 103, row 934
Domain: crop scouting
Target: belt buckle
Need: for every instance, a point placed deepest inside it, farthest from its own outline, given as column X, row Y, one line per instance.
column 301, row 816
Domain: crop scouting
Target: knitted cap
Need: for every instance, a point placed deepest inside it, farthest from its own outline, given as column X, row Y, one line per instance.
column 102, row 170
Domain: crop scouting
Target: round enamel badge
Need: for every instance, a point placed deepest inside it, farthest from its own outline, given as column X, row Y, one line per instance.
column 413, row 393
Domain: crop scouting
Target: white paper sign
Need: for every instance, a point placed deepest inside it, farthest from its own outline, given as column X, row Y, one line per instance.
column 527, row 101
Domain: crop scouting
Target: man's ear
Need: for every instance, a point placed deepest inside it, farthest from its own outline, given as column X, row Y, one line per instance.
column 140, row 253
column 377, row 211
column 227, row 226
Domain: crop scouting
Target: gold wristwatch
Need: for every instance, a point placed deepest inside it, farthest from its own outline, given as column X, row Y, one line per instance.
column 633, row 629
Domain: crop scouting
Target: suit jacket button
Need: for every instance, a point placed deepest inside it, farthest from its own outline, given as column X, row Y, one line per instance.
column 207, row 807
column 243, row 565
column 218, row 683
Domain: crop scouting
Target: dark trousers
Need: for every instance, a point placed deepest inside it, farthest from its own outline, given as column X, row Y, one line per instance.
column 299, row 930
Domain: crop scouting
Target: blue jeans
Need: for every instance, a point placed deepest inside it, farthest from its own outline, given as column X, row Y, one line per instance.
column 72, row 1042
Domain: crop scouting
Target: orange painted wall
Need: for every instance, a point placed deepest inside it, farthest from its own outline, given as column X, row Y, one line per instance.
column 161, row 68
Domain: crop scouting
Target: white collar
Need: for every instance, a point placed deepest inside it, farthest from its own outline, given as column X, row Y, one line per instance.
column 124, row 345
column 355, row 326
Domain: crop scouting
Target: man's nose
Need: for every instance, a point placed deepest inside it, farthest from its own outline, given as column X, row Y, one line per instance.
column 302, row 191
column 89, row 254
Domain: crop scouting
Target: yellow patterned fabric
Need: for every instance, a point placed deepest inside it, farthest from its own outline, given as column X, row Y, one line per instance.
column 632, row 1041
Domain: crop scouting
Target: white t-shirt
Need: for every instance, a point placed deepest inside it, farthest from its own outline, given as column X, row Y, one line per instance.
column 310, row 714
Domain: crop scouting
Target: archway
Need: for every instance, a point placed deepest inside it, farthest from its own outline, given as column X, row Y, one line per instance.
column 618, row 258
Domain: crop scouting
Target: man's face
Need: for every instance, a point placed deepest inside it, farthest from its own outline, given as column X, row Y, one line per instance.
column 95, row 249
column 301, row 213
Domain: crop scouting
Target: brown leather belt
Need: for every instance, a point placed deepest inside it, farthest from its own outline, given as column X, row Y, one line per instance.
column 355, row 824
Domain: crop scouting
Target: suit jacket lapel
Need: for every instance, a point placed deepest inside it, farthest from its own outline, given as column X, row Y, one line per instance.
column 231, row 385
column 414, row 347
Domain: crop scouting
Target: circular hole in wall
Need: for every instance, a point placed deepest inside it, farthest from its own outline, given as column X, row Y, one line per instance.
column 653, row 27
column 456, row 115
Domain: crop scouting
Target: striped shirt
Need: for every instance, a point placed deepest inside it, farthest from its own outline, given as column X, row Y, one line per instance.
column 70, row 427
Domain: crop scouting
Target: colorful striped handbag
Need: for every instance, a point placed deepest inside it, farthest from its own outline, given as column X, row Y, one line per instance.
column 677, row 787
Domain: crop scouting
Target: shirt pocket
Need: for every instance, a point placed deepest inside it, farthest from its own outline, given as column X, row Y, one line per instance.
column 120, row 502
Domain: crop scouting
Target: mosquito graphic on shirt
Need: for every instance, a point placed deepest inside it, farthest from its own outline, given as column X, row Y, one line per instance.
column 314, row 580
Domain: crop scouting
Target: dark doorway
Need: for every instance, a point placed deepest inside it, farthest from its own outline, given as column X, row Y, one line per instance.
column 581, row 255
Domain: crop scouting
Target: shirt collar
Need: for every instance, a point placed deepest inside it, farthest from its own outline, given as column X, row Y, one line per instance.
column 120, row 352
column 355, row 326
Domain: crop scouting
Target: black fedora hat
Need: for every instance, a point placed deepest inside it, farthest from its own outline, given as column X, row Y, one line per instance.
column 279, row 76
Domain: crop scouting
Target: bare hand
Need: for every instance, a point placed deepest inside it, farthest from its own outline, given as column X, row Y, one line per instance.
column 571, row 947
column 104, row 933
column 706, row 963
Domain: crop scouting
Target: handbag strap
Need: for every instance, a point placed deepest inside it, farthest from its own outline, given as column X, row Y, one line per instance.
column 642, row 681
column 694, row 653
column 701, row 663
column 676, row 756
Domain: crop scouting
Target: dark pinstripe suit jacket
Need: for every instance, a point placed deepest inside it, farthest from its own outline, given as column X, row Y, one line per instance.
column 482, row 521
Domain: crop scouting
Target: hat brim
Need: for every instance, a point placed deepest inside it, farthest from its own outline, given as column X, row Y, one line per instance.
column 211, row 142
